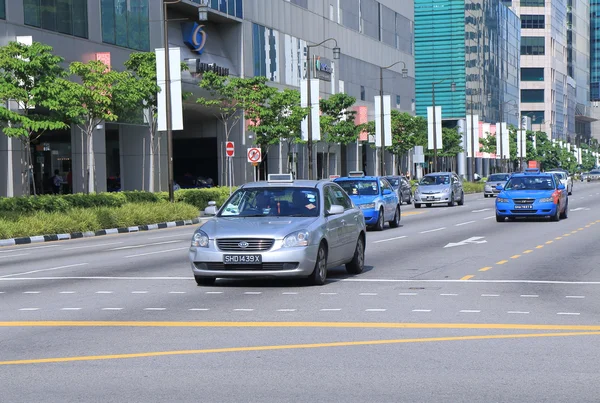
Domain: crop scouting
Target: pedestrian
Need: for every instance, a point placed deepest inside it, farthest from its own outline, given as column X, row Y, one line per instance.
column 57, row 182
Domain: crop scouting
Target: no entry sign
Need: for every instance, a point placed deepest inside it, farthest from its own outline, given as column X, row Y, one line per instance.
column 229, row 149
column 254, row 155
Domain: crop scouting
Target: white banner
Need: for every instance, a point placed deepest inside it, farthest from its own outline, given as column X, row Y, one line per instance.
column 176, row 95
column 472, row 133
column 502, row 141
column 387, row 120
column 431, row 144
column 521, row 143
column 314, row 104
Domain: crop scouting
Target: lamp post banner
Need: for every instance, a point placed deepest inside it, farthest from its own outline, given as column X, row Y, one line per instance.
column 472, row 134
column 387, row 120
column 438, row 128
column 176, row 95
column 314, row 109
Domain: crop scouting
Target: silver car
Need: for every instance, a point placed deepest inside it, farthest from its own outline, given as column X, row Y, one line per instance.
column 490, row 188
column 439, row 188
column 565, row 178
column 280, row 228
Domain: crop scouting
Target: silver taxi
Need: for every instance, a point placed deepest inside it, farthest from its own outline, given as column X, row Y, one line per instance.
column 280, row 228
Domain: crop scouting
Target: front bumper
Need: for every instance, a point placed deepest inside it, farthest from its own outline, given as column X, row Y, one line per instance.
column 436, row 198
column 277, row 262
column 371, row 216
column 538, row 210
column 489, row 190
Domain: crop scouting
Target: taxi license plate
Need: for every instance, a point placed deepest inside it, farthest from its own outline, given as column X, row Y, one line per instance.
column 430, row 197
column 524, row 207
column 242, row 259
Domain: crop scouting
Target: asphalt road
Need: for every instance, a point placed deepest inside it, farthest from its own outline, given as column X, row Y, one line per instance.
column 453, row 307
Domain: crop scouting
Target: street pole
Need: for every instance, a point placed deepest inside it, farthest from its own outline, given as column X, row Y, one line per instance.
column 309, row 143
column 434, row 128
column 472, row 143
column 382, row 151
column 501, row 153
column 169, row 121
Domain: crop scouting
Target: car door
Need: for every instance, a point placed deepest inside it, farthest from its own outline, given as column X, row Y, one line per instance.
column 334, row 226
column 351, row 223
column 457, row 187
column 405, row 189
column 389, row 200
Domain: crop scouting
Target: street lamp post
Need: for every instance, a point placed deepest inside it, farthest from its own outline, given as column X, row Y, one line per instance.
column 472, row 141
column 404, row 75
column 435, row 147
column 309, row 66
column 501, row 134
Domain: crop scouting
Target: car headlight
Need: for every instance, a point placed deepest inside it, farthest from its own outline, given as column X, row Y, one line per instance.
column 298, row 238
column 547, row 200
column 200, row 239
column 446, row 190
column 502, row 200
column 367, row 205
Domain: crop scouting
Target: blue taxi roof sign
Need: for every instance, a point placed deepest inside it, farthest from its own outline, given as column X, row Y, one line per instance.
column 356, row 174
column 280, row 178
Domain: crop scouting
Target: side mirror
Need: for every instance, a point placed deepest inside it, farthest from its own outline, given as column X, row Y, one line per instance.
column 336, row 209
column 210, row 210
column 561, row 187
column 212, row 203
column 499, row 187
column 387, row 192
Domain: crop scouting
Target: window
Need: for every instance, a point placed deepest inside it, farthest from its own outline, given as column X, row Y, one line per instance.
column 265, row 45
column 126, row 23
column 3, row 9
column 363, row 96
column 529, row 96
column 532, row 21
column 336, row 195
column 532, row 3
column 64, row 16
column 532, row 74
column 532, row 45
column 398, row 104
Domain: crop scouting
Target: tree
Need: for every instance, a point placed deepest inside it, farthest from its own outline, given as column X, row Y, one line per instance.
column 407, row 132
column 28, row 77
column 337, row 121
column 89, row 102
column 277, row 120
column 229, row 96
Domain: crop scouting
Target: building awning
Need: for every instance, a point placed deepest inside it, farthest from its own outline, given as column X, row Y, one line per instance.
column 583, row 118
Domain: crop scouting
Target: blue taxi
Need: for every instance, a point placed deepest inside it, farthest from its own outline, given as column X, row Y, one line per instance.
column 532, row 193
column 375, row 196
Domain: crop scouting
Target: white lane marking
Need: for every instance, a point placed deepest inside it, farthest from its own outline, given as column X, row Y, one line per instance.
column 368, row 293
column 70, row 309
column 29, row 309
column 198, row 309
column 529, row 296
column 577, row 209
column 432, row 230
column 156, row 253
column 139, row 292
column 407, row 293
column 143, row 246
column 253, row 293
column 518, row 312
column 289, row 293
column 449, row 295
column 490, row 295
column 18, row 254
column 390, row 280
column 67, row 292
column 469, row 311
column 41, row 270
column 168, row 236
column 22, row 249
column 575, row 296
column 481, row 210
column 177, row 292
column 490, row 217
column 464, row 223
column 375, row 310
column 568, row 313
column 390, row 239
column 104, row 292
column 243, row 310
column 214, row 292
column 329, row 293
column 582, row 197
column 155, row 309
column 330, row 310
column 93, row 246
column 286, row 310
column 112, row 309
column 31, row 292
column 421, row 310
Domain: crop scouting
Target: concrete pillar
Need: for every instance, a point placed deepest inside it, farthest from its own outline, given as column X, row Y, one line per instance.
column 135, row 161
column 462, row 172
column 12, row 165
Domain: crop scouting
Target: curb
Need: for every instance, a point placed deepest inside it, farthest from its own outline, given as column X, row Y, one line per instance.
column 90, row 234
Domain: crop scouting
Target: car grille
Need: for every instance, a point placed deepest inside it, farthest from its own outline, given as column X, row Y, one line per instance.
column 245, row 245
column 264, row 266
column 523, row 201
column 524, row 212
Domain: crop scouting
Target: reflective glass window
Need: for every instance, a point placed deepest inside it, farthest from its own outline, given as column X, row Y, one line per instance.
column 533, row 3
column 65, row 16
column 528, row 96
column 533, row 21
column 3, row 9
column 532, row 74
column 533, row 45
column 126, row 23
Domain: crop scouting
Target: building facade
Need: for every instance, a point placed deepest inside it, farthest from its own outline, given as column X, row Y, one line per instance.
column 243, row 38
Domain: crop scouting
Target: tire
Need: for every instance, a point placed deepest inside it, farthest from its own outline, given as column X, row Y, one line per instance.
column 319, row 274
column 204, row 281
column 499, row 218
column 380, row 222
column 556, row 216
column 428, row 204
column 462, row 199
column 395, row 223
column 410, row 198
column 357, row 264
column 451, row 202
column 486, row 196
column 565, row 214
column 417, row 205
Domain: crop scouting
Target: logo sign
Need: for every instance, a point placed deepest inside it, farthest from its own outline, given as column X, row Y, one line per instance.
column 229, row 149
column 243, row 244
column 194, row 37
column 254, row 155
column 323, row 68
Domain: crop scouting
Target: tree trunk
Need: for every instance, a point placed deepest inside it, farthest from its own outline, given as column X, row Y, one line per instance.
column 226, row 126
column 151, row 162
column 328, row 171
column 91, row 164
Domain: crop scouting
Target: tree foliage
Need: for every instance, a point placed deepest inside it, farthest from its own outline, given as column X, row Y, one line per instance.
column 337, row 119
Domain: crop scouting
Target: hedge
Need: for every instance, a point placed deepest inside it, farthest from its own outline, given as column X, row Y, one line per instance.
column 93, row 219
column 63, row 203
column 468, row 187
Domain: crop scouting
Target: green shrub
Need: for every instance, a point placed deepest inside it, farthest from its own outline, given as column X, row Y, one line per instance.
column 473, row 187
column 141, row 197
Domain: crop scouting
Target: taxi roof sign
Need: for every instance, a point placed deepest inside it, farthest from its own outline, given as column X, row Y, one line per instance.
column 531, row 171
column 356, row 174
column 280, row 178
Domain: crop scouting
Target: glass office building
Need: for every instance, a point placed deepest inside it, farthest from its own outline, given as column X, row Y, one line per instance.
column 595, row 50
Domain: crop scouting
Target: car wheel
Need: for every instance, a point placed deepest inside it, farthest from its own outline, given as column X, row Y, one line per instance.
column 565, row 213
column 486, row 196
column 319, row 274
column 395, row 223
column 499, row 218
column 428, row 204
column 451, row 202
column 417, row 205
column 410, row 198
column 357, row 264
column 380, row 222
column 461, row 202
column 556, row 216
column 204, row 281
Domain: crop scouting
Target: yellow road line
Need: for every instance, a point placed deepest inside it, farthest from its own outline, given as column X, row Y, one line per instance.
column 515, row 256
column 485, row 268
column 539, row 246
column 574, row 232
column 589, row 225
column 470, row 276
column 566, row 234
column 558, row 237
column 502, row 262
column 413, row 213
column 294, row 347
column 579, row 229
column 549, row 242
column 527, row 251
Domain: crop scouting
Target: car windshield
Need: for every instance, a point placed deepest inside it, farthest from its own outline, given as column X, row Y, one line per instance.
column 395, row 182
column 272, row 202
column 561, row 175
column 435, row 180
column 498, row 177
column 530, row 183
column 359, row 187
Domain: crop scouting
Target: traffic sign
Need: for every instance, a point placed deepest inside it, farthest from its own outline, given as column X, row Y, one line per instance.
column 229, row 149
column 254, row 155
